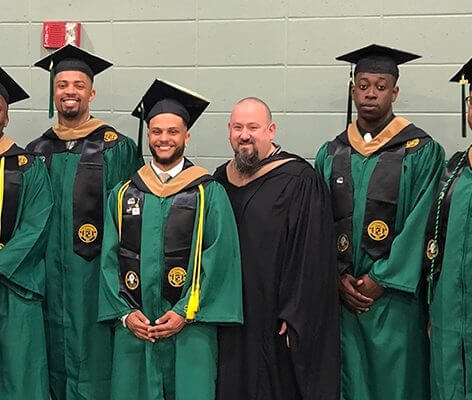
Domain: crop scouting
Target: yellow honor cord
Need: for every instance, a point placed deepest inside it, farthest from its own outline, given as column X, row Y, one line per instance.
column 194, row 300
column 2, row 187
column 121, row 194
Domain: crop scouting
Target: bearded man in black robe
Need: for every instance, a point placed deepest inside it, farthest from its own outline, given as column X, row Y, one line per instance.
column 288, row 347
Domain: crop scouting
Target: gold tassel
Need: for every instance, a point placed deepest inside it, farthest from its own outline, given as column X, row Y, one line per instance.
column 194, row 300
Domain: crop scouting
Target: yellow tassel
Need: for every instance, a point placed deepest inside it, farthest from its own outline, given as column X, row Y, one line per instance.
column 121, row 194
column 193, row 304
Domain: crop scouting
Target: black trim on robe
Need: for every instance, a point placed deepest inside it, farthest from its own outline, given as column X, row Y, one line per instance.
column 11, row 194
column 130, row 245
column 88, row 184
column 382, row 194
column 178, row 236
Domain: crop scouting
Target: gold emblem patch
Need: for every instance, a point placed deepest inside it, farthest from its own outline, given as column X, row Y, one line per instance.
column 110, row 136
column 22, row 160
column 432, row 249
column 131, row 280
column 1, row 246
column 177, row 276
column 412, row 143
column 87, row 233
column 343, row 243
column 377, row 230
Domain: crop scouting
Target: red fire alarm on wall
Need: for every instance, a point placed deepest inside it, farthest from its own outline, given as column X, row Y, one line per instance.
column 58, row 34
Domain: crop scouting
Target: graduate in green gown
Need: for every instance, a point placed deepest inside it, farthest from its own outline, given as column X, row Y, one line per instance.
column 25, row 206
column 86, row 159
column 448, row 261
column 383, row 172
column 171, row 268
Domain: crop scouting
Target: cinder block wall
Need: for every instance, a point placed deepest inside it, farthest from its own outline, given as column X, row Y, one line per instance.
column 280, row 50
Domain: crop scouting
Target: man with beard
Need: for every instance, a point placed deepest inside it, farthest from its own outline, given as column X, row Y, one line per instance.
column 288, row 347
column 170, row 266
column 25, row 205
column 86, row 159
column 383, row 172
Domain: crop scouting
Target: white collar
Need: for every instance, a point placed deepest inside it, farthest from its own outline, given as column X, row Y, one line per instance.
column 173, row 172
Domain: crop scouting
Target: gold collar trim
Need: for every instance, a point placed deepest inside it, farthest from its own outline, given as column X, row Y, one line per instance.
column 80, row 132
column 175, row 185
column 5, row 144
column 237, row 180
column 388, row 133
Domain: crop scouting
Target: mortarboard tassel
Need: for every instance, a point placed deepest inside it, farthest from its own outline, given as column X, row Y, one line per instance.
column 51, row 90
column 463, row 82
column 349, row 100
column 140, row 131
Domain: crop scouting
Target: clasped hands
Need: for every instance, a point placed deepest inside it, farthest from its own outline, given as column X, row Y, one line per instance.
column 358, row 294
column 165, row 326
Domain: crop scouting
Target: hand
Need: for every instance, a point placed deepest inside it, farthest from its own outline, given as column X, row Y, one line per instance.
column 350, row 294
column 138, row 324
column 284, row 331
column 370, row 288
column 167, row 325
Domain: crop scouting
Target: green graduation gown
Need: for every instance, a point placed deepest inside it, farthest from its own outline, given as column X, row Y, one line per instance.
column 23, row 363
column 183, row 366
column 450, row 310
column 79, row 349
column 385, row 350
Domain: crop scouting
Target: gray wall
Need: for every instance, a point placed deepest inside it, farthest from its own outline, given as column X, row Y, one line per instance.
column 280, row 50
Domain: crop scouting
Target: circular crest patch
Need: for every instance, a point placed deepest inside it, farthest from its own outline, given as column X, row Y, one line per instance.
column 87, row 233
column 110, row 136
column 377, row 230
column 432, row 249
column 343, row 242
column 412, row 143
column 22, row 160
column 177, row 276
column 131, row 280
column 1, row 246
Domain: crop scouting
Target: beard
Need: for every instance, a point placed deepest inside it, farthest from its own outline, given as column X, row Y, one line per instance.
column 179, row 151
column 70, row 114
column 247, row 163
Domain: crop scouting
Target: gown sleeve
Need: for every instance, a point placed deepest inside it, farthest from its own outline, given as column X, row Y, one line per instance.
column 402, row 269
column 221, row 287
column 110, row 305
column 121, row 162
column 22, row 259
column 323, row 163
column 308, row 291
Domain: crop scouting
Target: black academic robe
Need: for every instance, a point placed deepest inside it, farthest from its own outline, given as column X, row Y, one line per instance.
column 286, row 236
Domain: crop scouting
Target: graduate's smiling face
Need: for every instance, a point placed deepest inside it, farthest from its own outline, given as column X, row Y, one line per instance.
column 168, row 136
column 73, row 93
column 251, row 130
column 3, row 115
column 373, row 95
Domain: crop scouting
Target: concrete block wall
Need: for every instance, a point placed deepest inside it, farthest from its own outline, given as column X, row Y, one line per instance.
column 280, row 50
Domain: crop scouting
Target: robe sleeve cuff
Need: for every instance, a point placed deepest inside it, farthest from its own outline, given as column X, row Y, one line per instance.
column 391, row 285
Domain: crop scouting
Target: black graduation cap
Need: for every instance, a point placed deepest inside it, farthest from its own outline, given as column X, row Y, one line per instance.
column 9, row 89
column 374, row 59
column 463, row 77
column 70, row 58
column 166, row 97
